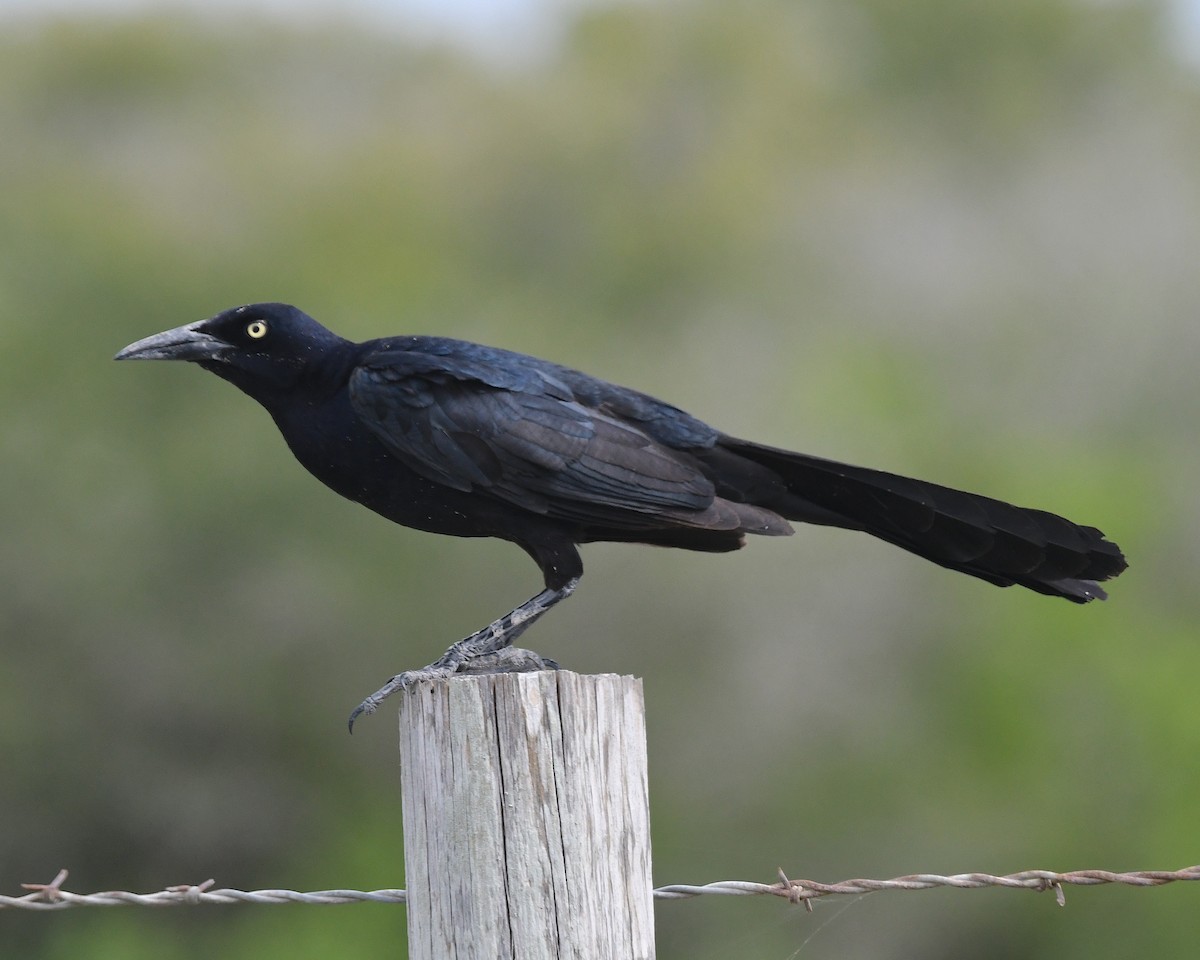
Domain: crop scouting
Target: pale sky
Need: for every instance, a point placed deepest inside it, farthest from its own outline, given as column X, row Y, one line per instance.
column 498, row 27
column 483, row 24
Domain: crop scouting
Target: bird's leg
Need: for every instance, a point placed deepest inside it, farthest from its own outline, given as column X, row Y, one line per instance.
column 489, row 650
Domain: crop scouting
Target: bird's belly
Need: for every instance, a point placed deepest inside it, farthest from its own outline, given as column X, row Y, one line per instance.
column 348, row 459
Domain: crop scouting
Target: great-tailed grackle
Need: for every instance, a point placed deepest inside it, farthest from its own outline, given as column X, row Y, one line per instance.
column 473, row 441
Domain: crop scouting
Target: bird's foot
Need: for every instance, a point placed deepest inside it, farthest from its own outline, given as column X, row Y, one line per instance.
column 398, row 682
column 504, row 660
column 488, row 650
column 507, row 660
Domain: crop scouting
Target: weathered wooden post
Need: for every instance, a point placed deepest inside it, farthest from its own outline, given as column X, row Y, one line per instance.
column 526, row 818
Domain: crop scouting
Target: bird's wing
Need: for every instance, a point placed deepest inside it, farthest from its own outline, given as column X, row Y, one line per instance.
column 501, row 424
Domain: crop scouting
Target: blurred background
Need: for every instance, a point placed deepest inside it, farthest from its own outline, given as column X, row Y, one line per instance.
column 951, row 239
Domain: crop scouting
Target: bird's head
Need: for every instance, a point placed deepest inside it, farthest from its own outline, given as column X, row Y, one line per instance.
column 261, row 347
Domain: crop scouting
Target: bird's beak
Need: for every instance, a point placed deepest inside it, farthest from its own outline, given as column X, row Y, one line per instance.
column 188, row 342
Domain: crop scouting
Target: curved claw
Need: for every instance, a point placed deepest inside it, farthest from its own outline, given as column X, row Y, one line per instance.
column 367, row 706
column 371, row 704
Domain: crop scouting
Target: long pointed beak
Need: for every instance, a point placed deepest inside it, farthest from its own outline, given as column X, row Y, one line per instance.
column 189, row 342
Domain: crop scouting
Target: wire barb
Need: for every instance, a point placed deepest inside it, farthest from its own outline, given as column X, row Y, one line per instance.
column 51, row 896
column 47, row 892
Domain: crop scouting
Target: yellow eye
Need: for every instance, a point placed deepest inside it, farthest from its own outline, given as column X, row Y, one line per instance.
column 256, row 330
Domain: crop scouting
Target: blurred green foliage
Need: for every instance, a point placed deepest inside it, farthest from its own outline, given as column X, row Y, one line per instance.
column 956, row 239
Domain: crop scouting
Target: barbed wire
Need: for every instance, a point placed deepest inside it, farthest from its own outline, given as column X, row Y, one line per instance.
column 51, row 896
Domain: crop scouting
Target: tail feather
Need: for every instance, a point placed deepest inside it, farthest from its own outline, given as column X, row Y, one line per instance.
column 977, row 535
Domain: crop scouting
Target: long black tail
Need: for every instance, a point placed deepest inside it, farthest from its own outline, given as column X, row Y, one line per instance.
column 986, row 538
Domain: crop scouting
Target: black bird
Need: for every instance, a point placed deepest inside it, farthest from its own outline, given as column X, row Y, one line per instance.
column 473, row 441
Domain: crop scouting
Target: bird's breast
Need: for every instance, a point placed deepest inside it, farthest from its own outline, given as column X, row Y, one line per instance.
column 336, row 447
